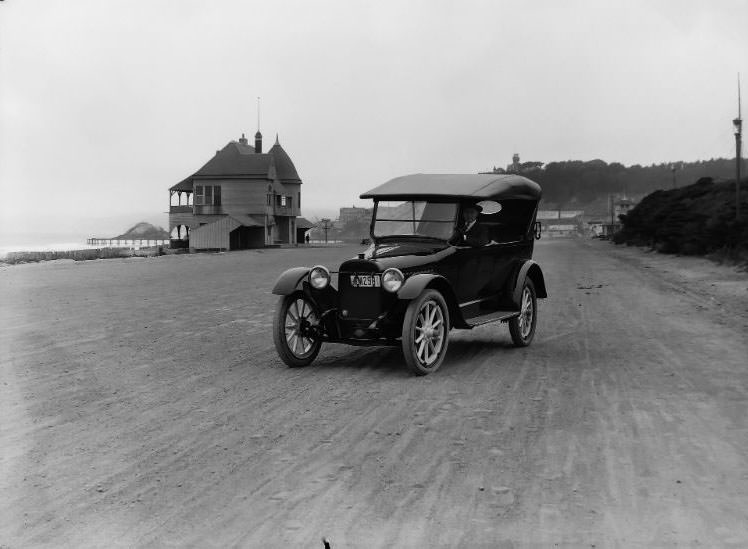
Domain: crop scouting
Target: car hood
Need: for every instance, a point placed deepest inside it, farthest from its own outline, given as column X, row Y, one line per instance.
column 405, row 255
column 400, row 248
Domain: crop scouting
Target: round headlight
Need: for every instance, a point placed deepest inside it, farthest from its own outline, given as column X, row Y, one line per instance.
column 392, row 280
column 319, row 277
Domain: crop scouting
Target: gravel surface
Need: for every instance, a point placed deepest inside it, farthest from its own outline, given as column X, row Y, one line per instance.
column 142, row 404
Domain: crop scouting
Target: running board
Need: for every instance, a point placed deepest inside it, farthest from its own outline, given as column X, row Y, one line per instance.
column 492, row 317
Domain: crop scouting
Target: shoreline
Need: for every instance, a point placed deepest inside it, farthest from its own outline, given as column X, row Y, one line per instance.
column 94, row 253
column 82, row 254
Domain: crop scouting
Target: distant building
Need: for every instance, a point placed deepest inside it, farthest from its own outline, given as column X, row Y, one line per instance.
column 617, row 206
column 359, row 215
column 561, row 222
column 241, row 198
column 516, row 166
column 622, row 206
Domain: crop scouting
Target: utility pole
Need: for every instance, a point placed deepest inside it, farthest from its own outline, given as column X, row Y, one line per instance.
column 326, row 226
column 738, row 124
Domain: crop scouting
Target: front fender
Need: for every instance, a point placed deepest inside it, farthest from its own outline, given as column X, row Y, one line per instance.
column 532, row 270
column 417, row 283
column 289, row 281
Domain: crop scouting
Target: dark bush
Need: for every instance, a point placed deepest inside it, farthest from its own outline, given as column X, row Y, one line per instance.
column 694, row 220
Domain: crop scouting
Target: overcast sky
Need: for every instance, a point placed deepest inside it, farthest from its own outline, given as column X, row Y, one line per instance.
column 105, row 104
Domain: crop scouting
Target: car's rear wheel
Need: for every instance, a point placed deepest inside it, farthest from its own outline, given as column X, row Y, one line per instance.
column 522, row 327
column 294, row 330
column 425, row 332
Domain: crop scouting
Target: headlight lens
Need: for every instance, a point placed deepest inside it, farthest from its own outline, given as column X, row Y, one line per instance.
column 392, row 280
column 319, row 277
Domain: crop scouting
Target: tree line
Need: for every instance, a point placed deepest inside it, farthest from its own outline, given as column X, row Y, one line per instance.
column 585, row 181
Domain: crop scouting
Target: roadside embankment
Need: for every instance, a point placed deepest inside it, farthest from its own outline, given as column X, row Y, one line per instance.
column 13, row 258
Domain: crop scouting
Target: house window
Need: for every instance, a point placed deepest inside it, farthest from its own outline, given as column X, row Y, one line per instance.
column 207, row 195
column 283, row 201
column 298, row 200
column 288, row 201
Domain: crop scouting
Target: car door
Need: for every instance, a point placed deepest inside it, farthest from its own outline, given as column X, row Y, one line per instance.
column 475, row 270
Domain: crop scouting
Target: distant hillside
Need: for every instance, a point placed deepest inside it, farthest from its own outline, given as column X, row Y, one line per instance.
column 144, row 231
column 694, row 220
column 581, row 184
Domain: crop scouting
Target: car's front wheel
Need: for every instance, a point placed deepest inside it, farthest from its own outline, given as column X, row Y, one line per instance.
column 426, row 332
column 522, row 327
column 294, row 330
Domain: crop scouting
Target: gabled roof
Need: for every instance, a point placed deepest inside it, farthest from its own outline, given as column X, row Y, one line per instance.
column 240, row 160
column 303, row 223
column 236, row 159
column 247, row 220
column 456, row 187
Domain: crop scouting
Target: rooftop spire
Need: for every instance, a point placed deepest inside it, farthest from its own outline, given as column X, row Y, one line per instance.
column 258, row 135
column 276, row 139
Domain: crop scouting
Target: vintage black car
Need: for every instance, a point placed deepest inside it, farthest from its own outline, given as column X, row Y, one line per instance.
column 425, row 272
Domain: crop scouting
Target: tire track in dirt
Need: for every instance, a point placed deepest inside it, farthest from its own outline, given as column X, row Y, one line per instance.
column 149, row 407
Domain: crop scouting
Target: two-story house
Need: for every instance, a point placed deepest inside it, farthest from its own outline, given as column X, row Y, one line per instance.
column 241, row 198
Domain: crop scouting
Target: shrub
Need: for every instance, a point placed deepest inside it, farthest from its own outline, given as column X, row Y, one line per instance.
column 694, row 220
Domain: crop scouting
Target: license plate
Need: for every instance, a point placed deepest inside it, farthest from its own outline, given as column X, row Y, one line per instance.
column 365, row 281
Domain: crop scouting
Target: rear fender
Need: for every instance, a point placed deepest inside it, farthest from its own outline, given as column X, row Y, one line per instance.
column 290, row 280
column 417, row 283
column 531, row 270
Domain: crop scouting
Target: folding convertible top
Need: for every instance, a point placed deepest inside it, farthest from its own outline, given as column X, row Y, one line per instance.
column 457, row 187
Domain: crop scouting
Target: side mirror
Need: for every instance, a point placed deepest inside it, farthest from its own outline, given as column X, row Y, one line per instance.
column 538, row 230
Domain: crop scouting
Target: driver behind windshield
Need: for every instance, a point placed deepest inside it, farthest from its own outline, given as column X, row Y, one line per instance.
column 468, row 231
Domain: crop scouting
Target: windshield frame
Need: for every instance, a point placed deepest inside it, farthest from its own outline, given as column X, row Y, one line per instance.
column 417, row 237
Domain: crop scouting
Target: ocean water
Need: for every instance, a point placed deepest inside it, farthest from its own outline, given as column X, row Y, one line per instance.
column 51, row 247
column 72, row 234
column 42, row 242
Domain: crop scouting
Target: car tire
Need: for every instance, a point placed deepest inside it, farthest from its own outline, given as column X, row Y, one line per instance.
column 294, row 314
column 425, row 332
column 522, row 327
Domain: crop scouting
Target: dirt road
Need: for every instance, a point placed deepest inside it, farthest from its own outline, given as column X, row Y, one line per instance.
column 142, row 404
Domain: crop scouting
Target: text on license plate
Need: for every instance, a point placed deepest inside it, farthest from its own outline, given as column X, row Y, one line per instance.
column 365, row 281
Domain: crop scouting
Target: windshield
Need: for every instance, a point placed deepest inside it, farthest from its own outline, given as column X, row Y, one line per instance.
column 414, row 218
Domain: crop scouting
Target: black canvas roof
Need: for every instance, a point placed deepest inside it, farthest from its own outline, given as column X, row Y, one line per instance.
column 456, row 187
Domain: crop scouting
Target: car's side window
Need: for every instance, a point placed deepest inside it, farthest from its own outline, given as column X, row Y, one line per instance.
column 509, row 223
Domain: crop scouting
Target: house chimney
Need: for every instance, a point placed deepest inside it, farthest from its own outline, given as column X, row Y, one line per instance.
column 258, row 142
column 243, row 140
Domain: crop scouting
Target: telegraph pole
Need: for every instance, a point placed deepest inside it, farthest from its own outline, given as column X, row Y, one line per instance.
column 738, row 124
column 326, row 226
